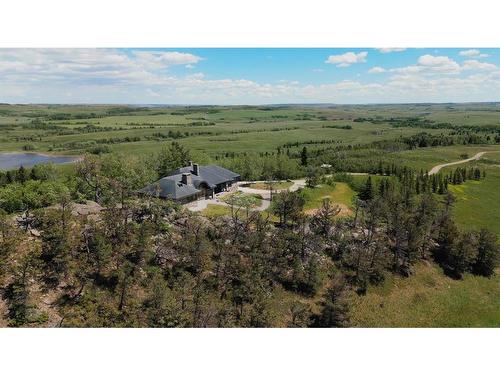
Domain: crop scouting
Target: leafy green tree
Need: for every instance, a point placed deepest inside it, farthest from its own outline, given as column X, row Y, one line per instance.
column 313, row 177
column 172, row 157
column 88, row 171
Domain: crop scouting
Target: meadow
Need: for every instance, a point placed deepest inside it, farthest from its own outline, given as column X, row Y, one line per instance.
column 207, row 130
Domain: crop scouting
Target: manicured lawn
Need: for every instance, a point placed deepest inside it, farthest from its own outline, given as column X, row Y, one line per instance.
column 429, row 299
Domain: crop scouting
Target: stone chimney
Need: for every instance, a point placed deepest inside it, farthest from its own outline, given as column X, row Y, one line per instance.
column 187, row 179
column 196, row 169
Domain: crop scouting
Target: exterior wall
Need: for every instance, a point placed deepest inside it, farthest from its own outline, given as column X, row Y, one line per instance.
column 188, row 199
column 225, row 185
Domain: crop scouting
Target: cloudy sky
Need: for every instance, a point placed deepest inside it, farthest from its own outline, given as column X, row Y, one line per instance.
column 249, row 76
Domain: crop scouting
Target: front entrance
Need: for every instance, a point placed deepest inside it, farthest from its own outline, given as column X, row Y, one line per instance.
column 206, row 191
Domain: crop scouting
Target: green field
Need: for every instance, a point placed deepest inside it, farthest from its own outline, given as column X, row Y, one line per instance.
column 213, row 130
column 478, row 202
column 429, row 299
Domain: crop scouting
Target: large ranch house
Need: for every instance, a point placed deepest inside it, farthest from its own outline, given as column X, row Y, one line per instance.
column 191, row 183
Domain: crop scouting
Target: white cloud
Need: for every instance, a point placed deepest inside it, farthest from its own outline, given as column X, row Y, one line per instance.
column 165, row 59
column 389, row 50
column 432, row 65
column 318, row 70
column 473, row 53
column 439, row 63
column 347, row 59
column 469, row 52
column 376, row 69
column 478, row 65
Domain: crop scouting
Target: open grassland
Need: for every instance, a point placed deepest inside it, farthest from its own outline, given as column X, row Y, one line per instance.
column 216, row 130
column 429, row 299
column 477, row 203
column 426, row 158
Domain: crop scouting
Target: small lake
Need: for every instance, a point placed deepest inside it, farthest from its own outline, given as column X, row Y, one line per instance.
column 12, row 160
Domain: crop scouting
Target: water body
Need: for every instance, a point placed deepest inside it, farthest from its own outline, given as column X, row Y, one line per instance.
column 15, row 160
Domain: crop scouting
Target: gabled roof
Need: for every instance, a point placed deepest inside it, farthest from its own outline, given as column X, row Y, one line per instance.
column 211, row 174
column 168, row 187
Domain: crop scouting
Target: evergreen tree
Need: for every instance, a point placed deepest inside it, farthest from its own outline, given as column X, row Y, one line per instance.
column 334, row 311
column 303, row 156
column 22, row 174
column 488, row 254
column 367, row 192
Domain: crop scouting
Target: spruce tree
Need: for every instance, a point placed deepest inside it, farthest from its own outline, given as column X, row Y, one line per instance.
column 303, row 156
column 488, row 253
column 367, row 192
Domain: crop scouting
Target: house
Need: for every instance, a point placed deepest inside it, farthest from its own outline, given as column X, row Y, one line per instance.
column 193, row 182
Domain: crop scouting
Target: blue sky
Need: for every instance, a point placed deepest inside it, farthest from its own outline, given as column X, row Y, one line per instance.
column 249, row 76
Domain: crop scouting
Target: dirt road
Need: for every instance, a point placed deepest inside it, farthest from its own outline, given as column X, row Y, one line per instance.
column 437, row 168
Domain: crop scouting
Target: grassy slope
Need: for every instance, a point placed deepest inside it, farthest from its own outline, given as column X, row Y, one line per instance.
column 477, row 203
column 430, row 299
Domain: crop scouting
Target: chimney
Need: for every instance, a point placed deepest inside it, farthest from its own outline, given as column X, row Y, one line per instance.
column 187, row 179
column 191, row 163
column 195, row 169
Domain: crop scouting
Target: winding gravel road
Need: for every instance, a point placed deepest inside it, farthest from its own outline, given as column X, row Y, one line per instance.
column 437, row 168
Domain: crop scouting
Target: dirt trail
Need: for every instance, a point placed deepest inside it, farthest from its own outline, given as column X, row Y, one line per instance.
column 437, row 168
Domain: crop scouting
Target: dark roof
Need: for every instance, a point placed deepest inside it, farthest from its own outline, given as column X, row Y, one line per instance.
column 211, row 174
column 172, row 187
column 169, row 188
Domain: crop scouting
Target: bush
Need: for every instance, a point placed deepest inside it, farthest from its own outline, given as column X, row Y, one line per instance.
column 29, row 147
column 99, row 150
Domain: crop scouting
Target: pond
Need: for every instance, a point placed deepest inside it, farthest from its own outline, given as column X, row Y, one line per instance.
column 10, row 160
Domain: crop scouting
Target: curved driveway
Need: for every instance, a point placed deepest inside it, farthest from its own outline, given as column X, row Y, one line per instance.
column 437, row 168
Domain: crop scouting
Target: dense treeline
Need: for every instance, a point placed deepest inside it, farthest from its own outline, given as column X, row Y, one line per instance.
column 425, row 123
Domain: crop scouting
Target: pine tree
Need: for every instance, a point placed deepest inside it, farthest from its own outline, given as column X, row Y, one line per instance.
column 303, row 156
column 488, row 254
column 22, row 175
column 367, row 193
column 334, row 312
